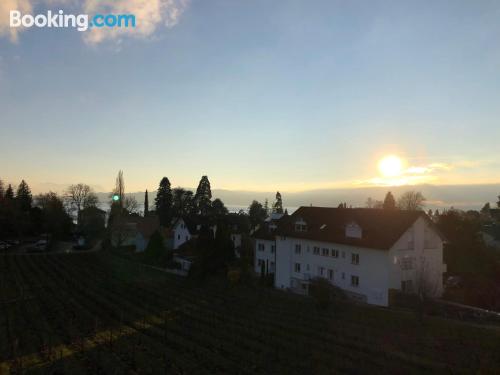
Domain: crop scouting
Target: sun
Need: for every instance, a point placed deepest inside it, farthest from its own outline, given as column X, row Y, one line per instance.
column 390, row 166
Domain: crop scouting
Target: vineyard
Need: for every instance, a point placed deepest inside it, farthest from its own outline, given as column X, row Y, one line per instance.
column 100, row 314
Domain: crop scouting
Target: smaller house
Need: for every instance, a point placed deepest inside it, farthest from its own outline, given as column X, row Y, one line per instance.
column 265, row 245
column 145, row 229
column 238, row 227
column 124, row 230
column 185, row 228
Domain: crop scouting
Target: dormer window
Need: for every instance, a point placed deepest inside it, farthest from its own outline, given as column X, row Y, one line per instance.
column 300, row 225
column 272, row 227
column 353, row 230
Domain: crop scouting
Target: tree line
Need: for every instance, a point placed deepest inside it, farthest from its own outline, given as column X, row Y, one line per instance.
column 22, row 214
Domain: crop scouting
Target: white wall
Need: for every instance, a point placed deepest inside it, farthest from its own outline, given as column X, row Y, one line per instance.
column 267, row 256
column 371, row 270
column 181, row 234
column 236, row 238
column 427, row 259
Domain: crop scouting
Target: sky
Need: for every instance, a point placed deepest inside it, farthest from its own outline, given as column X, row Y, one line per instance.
column 258, row 95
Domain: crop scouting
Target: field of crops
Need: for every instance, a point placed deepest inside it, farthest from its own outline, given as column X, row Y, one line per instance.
column 99, row 314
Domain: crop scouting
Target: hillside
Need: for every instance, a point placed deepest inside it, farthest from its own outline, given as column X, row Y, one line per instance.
column 95, row 313
column 438, row 196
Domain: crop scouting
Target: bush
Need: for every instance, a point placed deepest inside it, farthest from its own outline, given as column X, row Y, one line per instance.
column 324, row 293
column 234, row 276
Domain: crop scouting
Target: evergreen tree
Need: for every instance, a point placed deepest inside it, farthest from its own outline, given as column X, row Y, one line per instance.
column 2, row 190
column 486, row 209
column 163, row 202
column 218, row 208
column 203, row 196
column 278, row 205
column 498, row 203
column 9, row 193
column 55, row 219
column 146, row 203
column 256, row 213
column 266, row 207
column 389, row 202
column 182, row 203
column 23, row 197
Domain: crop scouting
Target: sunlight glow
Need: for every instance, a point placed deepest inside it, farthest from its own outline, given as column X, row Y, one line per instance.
column 390, row 166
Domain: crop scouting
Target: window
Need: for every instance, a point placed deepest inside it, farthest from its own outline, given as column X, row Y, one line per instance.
column 307, row 267
column 297, row 267
column 407, row 263
column 407, row 286
column 261, row 247
column 355, row 258
column 186, row 238
column 330, row 274
column 178, row 236
column 335, row 253
column 354, row 281
column 298, row 248
column 260, row 262
column 272, row 266
column 343, row 276
column 321, row 271
column 273, row 248
column 316, row 250
column 300, row 227
column 353, row 230
column 326, row 252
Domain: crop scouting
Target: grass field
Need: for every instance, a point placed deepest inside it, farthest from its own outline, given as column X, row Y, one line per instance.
column 99, row 314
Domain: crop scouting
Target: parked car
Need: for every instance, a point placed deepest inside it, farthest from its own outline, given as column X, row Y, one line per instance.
column 4, row 246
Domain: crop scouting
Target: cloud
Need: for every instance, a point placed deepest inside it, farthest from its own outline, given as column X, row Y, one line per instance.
column 419, row 174
column 5, row 7
column 150, row 16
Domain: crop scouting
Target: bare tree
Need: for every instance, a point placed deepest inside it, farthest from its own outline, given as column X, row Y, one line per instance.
column 373, row 203
column 426, row 286
column 411, row 201
column 79, row 197
column 130, row 205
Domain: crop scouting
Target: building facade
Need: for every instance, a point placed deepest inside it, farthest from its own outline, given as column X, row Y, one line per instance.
column 365, row 252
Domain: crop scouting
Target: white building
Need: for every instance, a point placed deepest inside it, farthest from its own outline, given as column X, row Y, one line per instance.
column 183, row 229
column 365, row 252
column 265, row 245
column 180, row 233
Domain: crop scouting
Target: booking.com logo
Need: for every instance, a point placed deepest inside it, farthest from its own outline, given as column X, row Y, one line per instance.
column 78, row 21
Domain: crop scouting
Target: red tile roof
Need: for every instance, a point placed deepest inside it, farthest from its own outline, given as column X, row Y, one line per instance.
column 148, row 225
